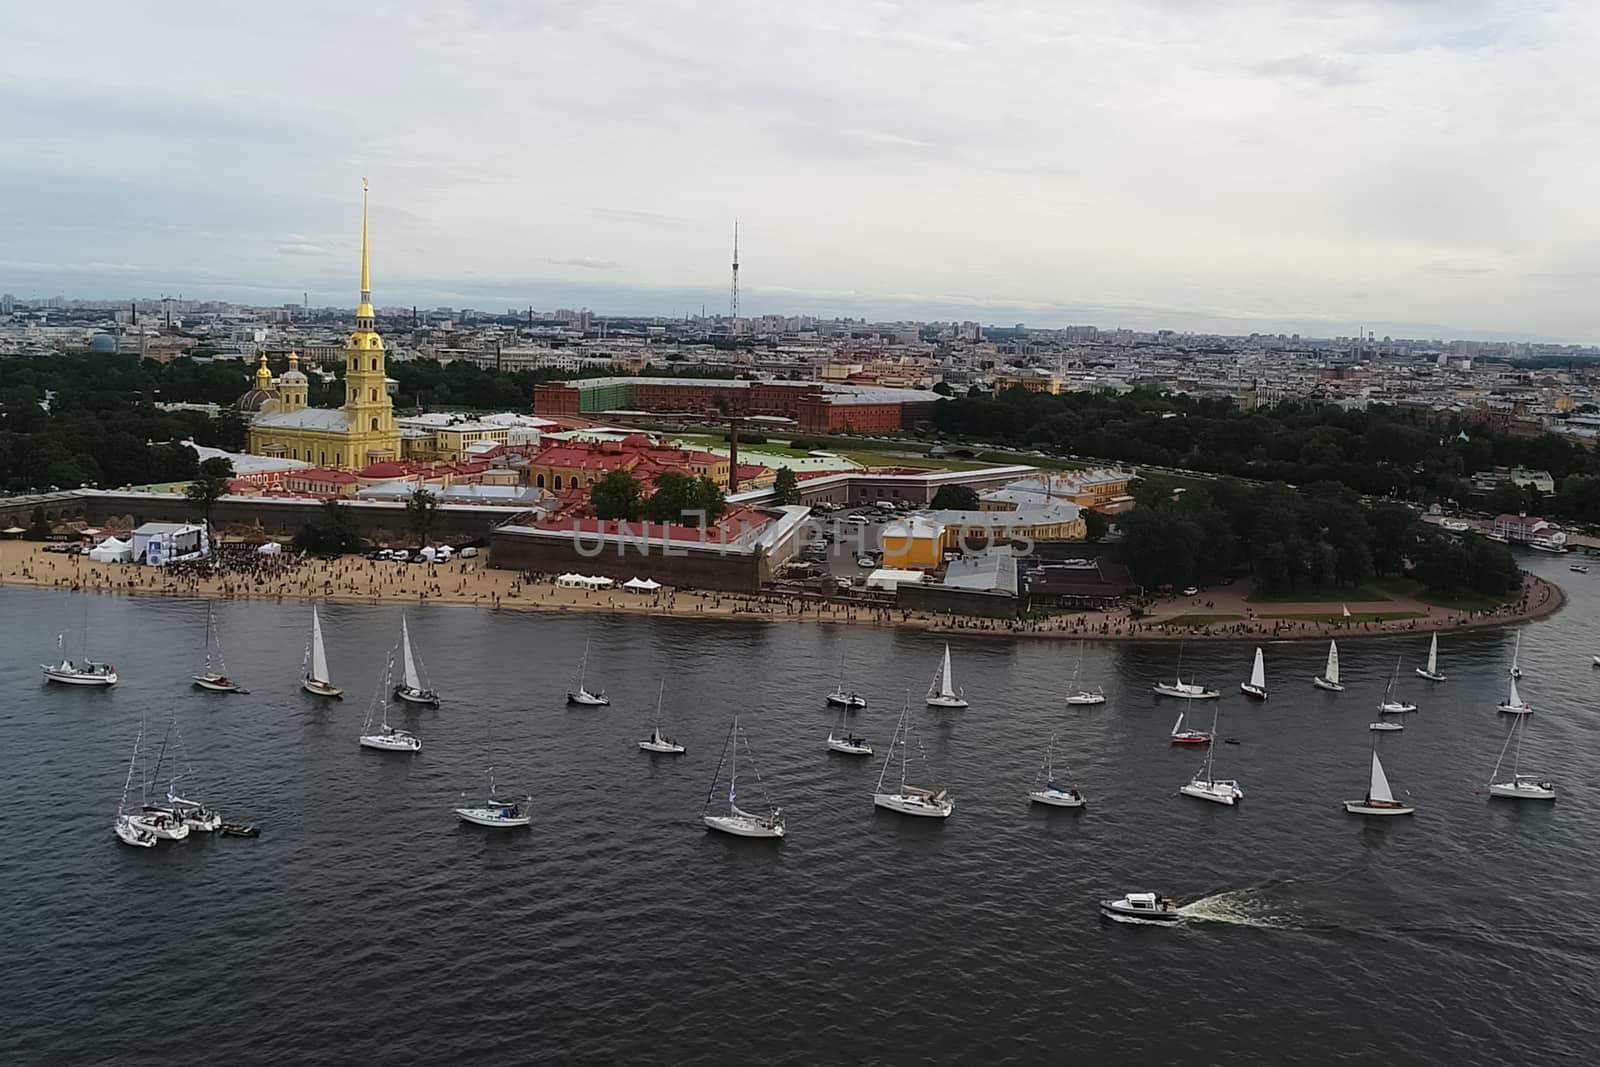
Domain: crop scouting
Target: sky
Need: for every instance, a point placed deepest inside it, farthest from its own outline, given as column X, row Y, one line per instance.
column 1418, row 167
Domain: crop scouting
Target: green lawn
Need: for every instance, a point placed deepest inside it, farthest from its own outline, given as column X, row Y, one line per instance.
column 1410, row 588
column 1312, row 595
column 880, row 459
column 1196, row 620
column 1355, row 616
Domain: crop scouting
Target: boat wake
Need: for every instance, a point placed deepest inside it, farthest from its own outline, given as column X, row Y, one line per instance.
column 1256, row 906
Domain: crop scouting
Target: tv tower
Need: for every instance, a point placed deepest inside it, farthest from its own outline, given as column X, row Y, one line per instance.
column 733, row 296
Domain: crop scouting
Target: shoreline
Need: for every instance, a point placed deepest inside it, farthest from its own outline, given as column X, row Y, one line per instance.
column 470, row 583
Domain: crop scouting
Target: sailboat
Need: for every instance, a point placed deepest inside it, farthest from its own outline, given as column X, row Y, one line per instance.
column 1431, row 671
column 1180, row 736
column 1182, row 689
column 1329, row 679
column 124, row 827
column 1380, row 798
column 1205, row 785
column 1516, row 651
column 658, row 741
column 180, row 808
column 846, row 741
column 1513, row 704
column 737, row 821
column 909, row 799
column 1083, row 697
column 1520, row 786
column 942, row 692
column 1257, row 685
column 213, row 677
column 386, row 738
column 315, row 666
column 495, row 813
column 82, row 672
column 1390, row 704
column 578, row 694
column 1058, row 796
column 841, row 697
column 415, row 690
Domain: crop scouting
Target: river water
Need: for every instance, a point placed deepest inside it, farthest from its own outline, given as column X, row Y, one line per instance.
column 367, row 925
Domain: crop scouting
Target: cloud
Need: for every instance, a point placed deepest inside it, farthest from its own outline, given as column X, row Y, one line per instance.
column 1323, row 71
column 302, row 249
column 586, row 262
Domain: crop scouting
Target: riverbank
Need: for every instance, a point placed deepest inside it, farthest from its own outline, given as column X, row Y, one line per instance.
column 1223, row 616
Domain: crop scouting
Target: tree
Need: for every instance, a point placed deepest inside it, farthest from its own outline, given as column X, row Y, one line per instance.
column 211, row 485
column 785, row 488
column 337, row 527
column 422, row 508
column 1095, row 524
column 955, row 498
column 38, row 526
column 617, row 496
column 680, row 498
column 1506, row 498
column 942, row 389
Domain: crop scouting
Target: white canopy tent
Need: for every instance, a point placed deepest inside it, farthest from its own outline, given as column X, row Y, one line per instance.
column 641, row 585
column 583, row 581
column 271, row 548
column 112, row 551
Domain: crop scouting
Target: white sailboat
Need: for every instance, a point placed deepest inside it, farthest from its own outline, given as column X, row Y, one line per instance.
column 1077, row 697
column 846, row 741
column 1257, row 685
column 942, row 692
column 1390, row 704
column 1205, row 785
column 213, row 677
column 127, row 831
column 909, row 799
column 841, row 697
column 1184, row 690
column 183, row 807
column 1053, row 794
column 315, row 667
column 578, row 694
column 1519, row 786
column 84, row 671
column 658, row 741
column 1380, row 798
column 1516, row 652
column 414, row 689
column 737, row 821
column 386, row 738
column 1329, row 679
column 1431, row 671
column 1513, row 704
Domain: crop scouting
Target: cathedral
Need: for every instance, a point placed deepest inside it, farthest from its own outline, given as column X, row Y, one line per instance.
column 360, row 433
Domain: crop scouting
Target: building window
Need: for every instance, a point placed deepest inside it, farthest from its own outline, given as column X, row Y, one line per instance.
column 539, row 481
column 374, row 395
column 374, row 424
column 374, row 364
column 322, row 458
column 558, row 481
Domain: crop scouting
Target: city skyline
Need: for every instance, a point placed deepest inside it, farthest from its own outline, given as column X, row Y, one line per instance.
column 1412, row 170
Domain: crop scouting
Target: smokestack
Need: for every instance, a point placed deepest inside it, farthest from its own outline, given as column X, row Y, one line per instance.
column 733, row 455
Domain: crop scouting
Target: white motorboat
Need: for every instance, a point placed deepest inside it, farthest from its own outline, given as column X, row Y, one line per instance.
column 1431, row 671
column 1141, row 908
column 1578, row 568
column 1079, row 697
column 658, row 741
column 1053, row 793
column 1205, row 785
column 841, row 697
column 213, row 677
column 314, row 669
column 124, row 827
column 942, row 693
column 1380, row 798
column 414, row 688
column 909, row 799
column 1519, row 786
column 737, row 821
column 386, row 738
column 1180, row 736
column 1329, row 678
column 1391, row 726
column 1513, row 704
column 1257, row 685
column 1391, row 704
column 1184, row 690
column 578, row 694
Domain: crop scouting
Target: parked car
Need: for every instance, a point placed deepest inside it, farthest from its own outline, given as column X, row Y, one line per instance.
column 1191, row 591
column 401, row 556
column 858, row 520
column 468, row 553
column 384, row 553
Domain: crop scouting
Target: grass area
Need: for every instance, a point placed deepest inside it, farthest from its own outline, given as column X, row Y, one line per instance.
column 1331, row 595
column 1197, row 620
column 1408, row 587
column 1355, row 616
column 882, row 459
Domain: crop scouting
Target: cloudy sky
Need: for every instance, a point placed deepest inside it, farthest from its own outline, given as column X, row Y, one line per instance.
column 1422, row 167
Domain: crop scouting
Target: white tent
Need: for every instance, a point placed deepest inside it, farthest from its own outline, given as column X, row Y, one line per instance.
column 271, row 548
column 598, row 582
column 641, row 585
column 426, row 552
column 570, row 581
column 112, row 551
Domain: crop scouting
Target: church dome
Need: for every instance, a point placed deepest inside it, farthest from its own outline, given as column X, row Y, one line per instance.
column 102, row 344
column 292, row 376
column 261, row 392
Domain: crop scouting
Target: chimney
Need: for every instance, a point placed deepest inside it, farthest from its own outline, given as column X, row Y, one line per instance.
column 733, row 455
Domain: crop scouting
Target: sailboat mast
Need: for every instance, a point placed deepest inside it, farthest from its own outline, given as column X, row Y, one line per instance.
column 733, row 763
column 661, row 692
column 712, row 788
column 1516, row 753
column 905, row 753
column 583, row 664
column 892, row 742
column 1211, row 745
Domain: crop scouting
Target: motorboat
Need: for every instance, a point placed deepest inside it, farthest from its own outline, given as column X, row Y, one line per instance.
column 1180, row 736
column 1147, row 908
column 386, row 738
column 1053, row 794
column 1513, row 704
column 1382, row 725
column 213, row 676
column 1555, row 543
column 1205, row 785
column 942, row 692
column 1519, row 786
column 413, row 688
column 909, row 799
column 736, row 820
column 1329, row 678
column 239, row 829
column 314, row 670
column 1379, row 800
column 580, row 695
column 1431, row 671
column 1257, row 685
column 1577, row 568
column 1391, row 704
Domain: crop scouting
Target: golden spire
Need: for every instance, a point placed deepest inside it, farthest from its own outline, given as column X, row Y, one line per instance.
column 294, row 361
column 263, row 374
column 364, row 311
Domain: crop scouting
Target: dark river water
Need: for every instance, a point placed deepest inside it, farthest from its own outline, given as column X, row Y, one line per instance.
column 368, row 925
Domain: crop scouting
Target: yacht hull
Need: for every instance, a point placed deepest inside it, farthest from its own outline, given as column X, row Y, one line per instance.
column 322, row 689
column 216, row 684
column 1516, row 709
column 1432, row 676
column 1323, row 683
column 417, row 696
column 847, row 748
column 1055, row 798
column 1217, row 794
column 662, row 748
column 391, row 742
column 1117, row 911
column 740, row 826
column 1396, row 707
column 914, row 805
column 947, row 702
column 491, row 818
column 1361, row 807
column 1085, row 699
column 1384, row 726
column 130, row 834
column 94, row 681
column 1257, row 692
column 1184, row 694
column 1514, row 791
column 850, row 701
column 586, row 699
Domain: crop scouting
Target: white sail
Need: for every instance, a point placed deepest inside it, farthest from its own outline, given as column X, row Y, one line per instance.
column 1514, row 700
column 410, row 663
column 319, row 658
column 1433, row 655
column 1258, row 673
column 946, row 687
column 1380, row 784
column 1345, row 610
column 1331, row 671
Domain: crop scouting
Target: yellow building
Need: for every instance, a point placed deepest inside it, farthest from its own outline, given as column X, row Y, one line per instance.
column 361, row 432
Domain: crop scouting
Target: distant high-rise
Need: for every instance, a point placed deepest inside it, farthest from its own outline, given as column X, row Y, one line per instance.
column 8, row 304
column 733, row 298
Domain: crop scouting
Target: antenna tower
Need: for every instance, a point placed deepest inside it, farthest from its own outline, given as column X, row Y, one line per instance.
column 733, row 296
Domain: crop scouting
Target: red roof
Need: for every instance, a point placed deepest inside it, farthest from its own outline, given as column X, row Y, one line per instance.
column 385, row 470
column 324, row 474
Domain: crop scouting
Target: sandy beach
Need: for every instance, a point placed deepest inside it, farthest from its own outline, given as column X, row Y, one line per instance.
column 473, row 583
